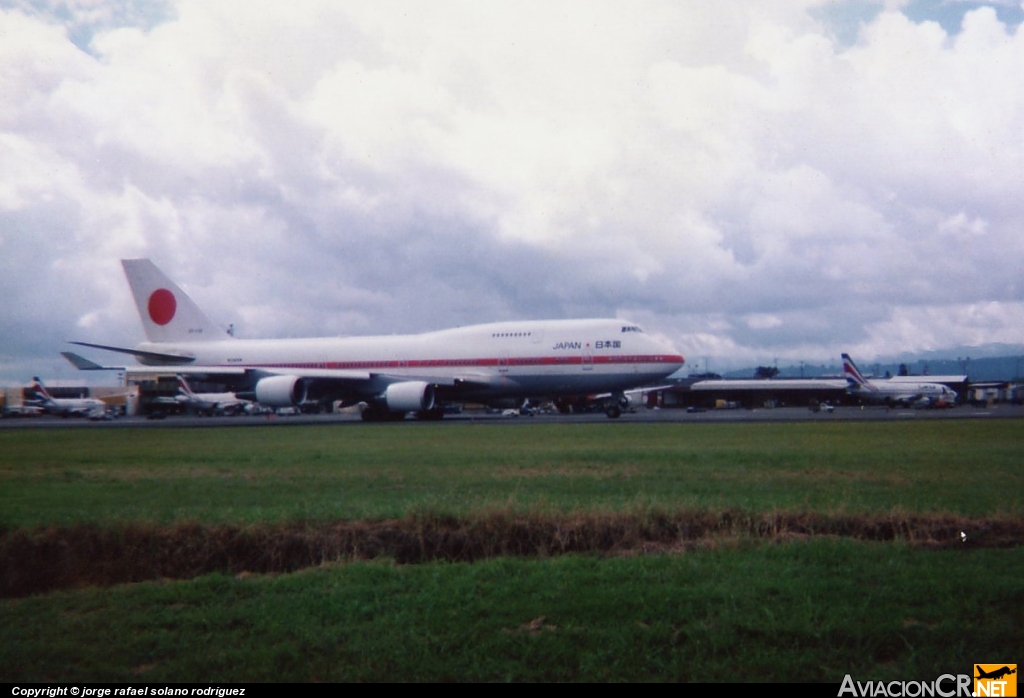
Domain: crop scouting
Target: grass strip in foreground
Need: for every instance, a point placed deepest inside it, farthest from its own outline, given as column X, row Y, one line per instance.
column 40, row 560
column 805, row 610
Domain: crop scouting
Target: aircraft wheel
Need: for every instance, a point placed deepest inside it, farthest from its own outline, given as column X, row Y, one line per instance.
column 613, row 411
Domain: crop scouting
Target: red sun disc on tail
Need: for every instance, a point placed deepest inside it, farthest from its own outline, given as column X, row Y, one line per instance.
column 162, row 306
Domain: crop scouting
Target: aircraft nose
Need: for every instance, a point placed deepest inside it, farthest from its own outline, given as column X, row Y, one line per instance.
column 669, row 354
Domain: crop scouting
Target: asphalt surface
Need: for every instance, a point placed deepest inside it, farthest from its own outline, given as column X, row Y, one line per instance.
column 643, row 415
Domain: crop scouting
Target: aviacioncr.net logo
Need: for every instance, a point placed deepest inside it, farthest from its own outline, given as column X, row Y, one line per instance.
column 946, row 686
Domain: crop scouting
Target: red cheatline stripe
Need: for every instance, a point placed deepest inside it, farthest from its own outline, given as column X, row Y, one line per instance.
column 471, row 363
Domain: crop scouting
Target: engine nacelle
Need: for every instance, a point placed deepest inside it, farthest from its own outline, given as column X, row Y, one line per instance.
column 281, row 391
column 410, row 396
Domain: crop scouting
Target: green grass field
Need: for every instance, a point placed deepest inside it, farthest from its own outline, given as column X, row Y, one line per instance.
column 731, row 607
column 276, row 474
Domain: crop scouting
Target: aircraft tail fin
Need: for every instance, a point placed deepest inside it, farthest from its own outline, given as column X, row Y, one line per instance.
column 183, row 387
column 167, row 313
column 854, row 378
column 40, row 389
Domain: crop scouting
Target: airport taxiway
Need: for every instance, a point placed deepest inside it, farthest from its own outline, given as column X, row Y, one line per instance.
column 643, row 415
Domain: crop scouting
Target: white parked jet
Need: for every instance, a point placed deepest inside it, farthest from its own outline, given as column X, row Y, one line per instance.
column 895, row 392
column 395, row 375
column 205, row 403
column 67, row 407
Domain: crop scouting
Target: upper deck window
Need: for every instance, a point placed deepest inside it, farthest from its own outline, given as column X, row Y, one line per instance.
column 631, row 328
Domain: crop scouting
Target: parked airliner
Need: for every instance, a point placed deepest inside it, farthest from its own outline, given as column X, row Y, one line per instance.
column 395, row 375
column 66, row 407
column 895, row 392
column 205, row 403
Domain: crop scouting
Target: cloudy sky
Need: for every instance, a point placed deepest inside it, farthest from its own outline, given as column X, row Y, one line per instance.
column 752, row 180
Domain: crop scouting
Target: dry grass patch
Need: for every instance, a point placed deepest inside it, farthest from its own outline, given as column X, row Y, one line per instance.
column 46, row 558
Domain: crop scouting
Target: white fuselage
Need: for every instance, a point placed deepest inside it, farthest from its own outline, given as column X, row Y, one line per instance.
column 554, row 357
column 889, row 391
column 73, row 406
column 210, row 402
column 902, row 390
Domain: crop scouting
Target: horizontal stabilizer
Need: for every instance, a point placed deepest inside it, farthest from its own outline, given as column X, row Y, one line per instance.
column 151, row 355
column 83, row 364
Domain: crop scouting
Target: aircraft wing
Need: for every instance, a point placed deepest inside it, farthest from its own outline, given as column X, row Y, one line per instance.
column 324, row 374
column 320, row 382
column 352, row 385
column 195, row 371
column 347, row 385
column 468, row 380
column 353, row 377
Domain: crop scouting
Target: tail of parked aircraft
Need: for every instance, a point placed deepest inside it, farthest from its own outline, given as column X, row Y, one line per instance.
column 167, row 313
column 183, row 387
column 40, row 389
column 854, row 378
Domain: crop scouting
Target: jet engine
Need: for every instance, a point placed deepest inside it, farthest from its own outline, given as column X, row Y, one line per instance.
column 280, row 391
column 409, row 396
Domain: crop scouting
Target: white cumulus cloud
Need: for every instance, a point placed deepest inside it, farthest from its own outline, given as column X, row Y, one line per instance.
column 748, row 179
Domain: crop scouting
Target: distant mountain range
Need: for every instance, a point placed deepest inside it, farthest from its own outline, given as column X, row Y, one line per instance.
column 991, row 362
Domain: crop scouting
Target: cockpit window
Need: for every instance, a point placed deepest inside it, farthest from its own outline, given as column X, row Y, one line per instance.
column 631, row 328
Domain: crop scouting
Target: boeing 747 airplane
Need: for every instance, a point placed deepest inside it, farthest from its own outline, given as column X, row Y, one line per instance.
column 905, row 392
column 395, row 375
